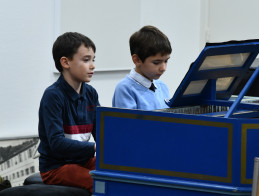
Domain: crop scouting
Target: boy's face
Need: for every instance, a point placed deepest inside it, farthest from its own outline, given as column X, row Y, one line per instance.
column 153, row 67
column 81, row 67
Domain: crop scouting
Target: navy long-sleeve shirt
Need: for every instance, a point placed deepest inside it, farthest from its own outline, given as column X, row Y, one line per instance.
column 66, row 122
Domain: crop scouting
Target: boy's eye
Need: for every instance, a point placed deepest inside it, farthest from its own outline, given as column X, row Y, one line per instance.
column 86, row 60
column 156, row 62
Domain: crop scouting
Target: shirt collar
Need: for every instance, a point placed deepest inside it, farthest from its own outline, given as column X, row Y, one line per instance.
column 70, row 91
column 140, row 79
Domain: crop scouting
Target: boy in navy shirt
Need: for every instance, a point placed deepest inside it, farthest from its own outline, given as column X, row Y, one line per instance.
column 141, row 89
column 67, row 115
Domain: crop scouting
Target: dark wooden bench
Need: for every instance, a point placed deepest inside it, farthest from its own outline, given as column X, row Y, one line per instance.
column 33, row 186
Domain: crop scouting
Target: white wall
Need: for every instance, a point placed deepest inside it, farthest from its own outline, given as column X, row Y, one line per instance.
column 108, row 23
column 28, row 29
column 233, row 20
column 26, row 37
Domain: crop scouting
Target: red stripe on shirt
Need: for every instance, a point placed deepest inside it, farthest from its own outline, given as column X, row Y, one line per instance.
column 77, row 129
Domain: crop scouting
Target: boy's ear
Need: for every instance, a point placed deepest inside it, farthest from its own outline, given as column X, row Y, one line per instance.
column 136, row 60
column 64, row 62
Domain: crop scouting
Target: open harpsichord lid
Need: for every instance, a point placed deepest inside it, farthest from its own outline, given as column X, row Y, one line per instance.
column 216, row 73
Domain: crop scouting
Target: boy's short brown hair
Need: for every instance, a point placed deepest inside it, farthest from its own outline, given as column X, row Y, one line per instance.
column 67, row 45
column 149, row 41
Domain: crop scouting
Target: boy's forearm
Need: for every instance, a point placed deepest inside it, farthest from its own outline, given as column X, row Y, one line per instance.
column 73, row 148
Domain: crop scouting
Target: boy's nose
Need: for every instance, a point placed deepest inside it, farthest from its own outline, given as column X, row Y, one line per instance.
column 92, row 66
column 163, row 66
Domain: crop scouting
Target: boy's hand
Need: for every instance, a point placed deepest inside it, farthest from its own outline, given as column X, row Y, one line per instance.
column 94, row 147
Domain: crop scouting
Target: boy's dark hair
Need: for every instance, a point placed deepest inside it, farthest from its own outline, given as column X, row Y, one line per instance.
column 149, row 41
column 66, row 45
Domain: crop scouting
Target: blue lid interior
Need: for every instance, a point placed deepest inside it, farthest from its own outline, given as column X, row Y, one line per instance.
column 216, row 73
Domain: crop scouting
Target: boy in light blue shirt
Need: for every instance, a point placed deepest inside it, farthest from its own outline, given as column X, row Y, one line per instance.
column 141, row 89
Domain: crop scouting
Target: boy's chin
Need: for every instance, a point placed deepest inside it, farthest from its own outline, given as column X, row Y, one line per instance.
column 156, row 78
column 87, row 80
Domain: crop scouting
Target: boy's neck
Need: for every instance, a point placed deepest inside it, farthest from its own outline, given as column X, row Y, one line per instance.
column 139, row 72
column 74, row 84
